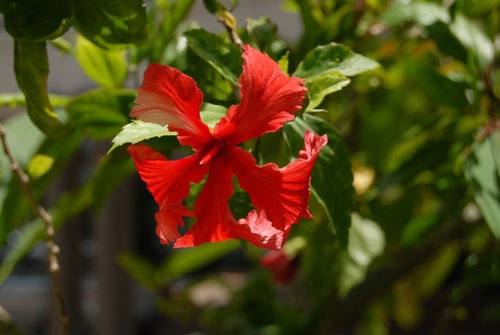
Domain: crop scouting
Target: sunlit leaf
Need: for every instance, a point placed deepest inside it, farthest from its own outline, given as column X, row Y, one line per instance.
column 39, row 165
column 423, row 12
column 474, row 39
column 108, row 68
column 326, row 69
column 366, row 241
column 211, row 114
column 482, row 169
column 138, row 131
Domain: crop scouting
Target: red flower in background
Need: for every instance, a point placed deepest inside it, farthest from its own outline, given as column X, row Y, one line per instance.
column 283, row 267
column 280, row 195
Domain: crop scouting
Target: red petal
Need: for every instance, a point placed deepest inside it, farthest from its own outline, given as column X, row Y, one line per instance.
column 169, row 97
column 213, row 216
column 282, row 193
column 268, row 100
column 168, row 182
column 257, row 229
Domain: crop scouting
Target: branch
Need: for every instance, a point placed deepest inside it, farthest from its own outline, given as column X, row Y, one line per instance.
column 52, row 246
column 229, row 21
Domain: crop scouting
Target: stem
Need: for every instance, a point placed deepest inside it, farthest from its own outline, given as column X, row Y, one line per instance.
column 229, row 21
column 52, row 246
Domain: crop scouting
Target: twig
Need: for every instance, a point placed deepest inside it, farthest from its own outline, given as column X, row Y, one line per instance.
column 52, row 246
column 229, row 21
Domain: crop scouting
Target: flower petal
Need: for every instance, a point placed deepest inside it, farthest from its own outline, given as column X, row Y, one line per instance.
column 282, row 193
column 213, row 216
column 168, row 182
column 169, row 97
column 257, row 229
column 268, row 100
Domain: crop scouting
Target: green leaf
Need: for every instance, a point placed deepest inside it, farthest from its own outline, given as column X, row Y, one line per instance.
column 221, row 54
column 67, row 207
column 213, row 6
column 482, row 170
column 211, row 114
column 262, row 31
column 31, row 67
column 366, row 241
column 27, row 238
column 138, row 131
column 185, row 261
column 109, row 23
column 36, row 20
column 110, row 171
column 422, row 12
column 107, row 68
column 332, row 177
column 140, row 268
column 326, row 69
column 283, row 63
column 479, row 7
column 172, row 14
column 39, row 165
column 318, row 87
column 101, row 113
column 16, row 208
column 479, row 45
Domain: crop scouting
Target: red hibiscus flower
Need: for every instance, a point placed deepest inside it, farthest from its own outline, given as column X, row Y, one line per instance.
column 280, row 195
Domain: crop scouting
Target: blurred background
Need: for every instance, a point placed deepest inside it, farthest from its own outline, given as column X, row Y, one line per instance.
column 421, row 132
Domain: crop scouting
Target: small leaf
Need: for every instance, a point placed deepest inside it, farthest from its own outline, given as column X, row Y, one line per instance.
column 138, row 131
column 326, row 69
column 101, row 113
column 331, row 179
column 107, row 68
column 221, row 54
column 36, row 20
column 39, row 165
column 283, row 63
column 109, row 23
column 31, row 66
column 482, row 170
column 211, row 114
